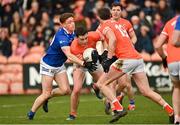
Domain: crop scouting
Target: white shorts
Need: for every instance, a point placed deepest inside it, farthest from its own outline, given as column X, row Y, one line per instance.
column 45, row 69
column 129, row 66
column 99, row 67
column 174, row 70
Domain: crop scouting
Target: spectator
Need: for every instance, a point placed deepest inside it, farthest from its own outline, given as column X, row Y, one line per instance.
column 56, row 23
column 5, row 43
column 24, row 35
column 145, row 40
column 164, row 10
column 47, row 29
column 132, row 9
column 6, row 15
column 19, row 49
column 15, row 26
column 39, row 38
column 148, row 10
column 157, row 24
column 35, row 12
column 145, row 19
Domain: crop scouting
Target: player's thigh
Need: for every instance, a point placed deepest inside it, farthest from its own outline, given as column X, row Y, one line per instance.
column 47, row 83
column 123, row 81
column 61, row 79
column 174, row 71
column 110, row 77
column 78, row 78
column 141, row 81
column 47, row 73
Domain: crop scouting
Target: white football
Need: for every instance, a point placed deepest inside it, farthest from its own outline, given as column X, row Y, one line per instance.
column 87, row 54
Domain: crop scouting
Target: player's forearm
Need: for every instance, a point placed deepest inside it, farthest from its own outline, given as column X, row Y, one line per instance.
column 111, row 48
column 134, row 39
column 159, row 45
column 75, row 59
column 112, row 43
column 161, row 52
column 99, row 47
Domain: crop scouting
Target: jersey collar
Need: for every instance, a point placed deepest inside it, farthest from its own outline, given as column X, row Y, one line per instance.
column 66, row 31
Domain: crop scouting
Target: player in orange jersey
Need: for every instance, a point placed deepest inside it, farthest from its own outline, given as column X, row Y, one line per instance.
column 83, row 41
column 123, row 59
column 125, row 80
column 172, row 61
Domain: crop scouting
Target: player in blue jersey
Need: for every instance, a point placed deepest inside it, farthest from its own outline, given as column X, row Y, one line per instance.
column 176, row 34
column 52, row 64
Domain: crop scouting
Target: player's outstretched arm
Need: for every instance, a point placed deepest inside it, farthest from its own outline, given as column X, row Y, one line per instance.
column 158, row 46
column 89, row 65
column 72, row 57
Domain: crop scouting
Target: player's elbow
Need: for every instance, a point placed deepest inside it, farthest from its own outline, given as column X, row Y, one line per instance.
column 156, row 48
column 69, row 56
column 176, row 38
column 176, row 42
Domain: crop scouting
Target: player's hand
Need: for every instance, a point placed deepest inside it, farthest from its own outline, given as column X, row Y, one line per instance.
column 107, row 63
column 91, row 66
column 165, row 62
column 103, row 56
column 95, row 56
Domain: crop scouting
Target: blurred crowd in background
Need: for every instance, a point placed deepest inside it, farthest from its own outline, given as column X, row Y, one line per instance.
column 25, row 24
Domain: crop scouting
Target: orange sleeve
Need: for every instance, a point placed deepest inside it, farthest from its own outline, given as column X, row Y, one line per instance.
column 72, row 47
column 165, row 30
column 95, row 35
column 75, row 49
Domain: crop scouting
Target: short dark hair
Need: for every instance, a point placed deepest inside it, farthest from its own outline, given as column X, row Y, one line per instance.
column 80, row 31
column 115, row 4
column 65, row 16
column 104, row 13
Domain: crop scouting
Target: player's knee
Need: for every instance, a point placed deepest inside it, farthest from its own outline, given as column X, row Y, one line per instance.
column 99, row 85
column 76, row 90
column 123, row 85
column 128, row 86
column 67, row 91
column 145, row 92
column 47, row 94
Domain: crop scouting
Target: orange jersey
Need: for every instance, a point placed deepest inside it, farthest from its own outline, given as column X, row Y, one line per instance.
column 172, row 51
column 125, row 24
column 78, row 49
column 124, row 47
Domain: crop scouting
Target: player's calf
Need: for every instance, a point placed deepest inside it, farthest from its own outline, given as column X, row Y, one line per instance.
column 96, row 91
column 45, row 106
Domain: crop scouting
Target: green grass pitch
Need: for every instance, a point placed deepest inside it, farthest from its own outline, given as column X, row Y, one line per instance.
column 13, row 110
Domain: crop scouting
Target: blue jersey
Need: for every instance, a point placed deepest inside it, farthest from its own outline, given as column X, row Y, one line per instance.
column 55, row 56
column 177, row 27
